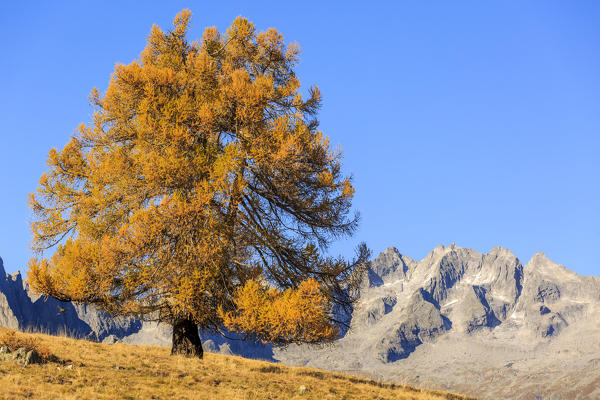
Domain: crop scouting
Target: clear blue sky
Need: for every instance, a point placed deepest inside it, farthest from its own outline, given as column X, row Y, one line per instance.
column 465, row 121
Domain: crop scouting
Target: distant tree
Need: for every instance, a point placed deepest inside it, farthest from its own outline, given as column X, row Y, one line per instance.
column 201, row 195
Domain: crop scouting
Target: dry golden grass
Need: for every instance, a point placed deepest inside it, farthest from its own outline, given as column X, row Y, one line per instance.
column 119, row 371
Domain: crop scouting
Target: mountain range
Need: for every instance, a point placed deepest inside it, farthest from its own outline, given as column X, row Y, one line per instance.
column 458, row 320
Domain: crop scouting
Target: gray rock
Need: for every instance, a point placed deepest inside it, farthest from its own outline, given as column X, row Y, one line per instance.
column 210, row 346
column 303, row 389
column 19, row 353
column 547, row 292
column 551, row 324
column 473, row 312
column 421, row 322
column 111, row 339
column 32, row 357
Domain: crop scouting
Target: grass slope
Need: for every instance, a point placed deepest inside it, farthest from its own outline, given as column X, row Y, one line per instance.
column 119, row 371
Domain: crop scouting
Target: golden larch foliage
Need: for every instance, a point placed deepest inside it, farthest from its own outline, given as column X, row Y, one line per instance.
column 281, row 316
column 203, row 170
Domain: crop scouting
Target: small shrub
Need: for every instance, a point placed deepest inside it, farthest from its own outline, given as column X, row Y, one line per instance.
column 273, row 369
column 314, row 374
column 14, row 340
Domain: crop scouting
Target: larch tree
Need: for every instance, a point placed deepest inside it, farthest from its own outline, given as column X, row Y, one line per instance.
column 202, row 194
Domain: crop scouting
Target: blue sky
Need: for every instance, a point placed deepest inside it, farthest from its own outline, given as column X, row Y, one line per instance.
column 469, row 122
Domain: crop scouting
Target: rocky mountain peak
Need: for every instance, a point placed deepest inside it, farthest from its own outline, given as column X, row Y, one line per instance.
column 392, row 250
column 500, row 251
column 470, row 292
column 458, row 317
column 540, row 259
column 438, row 251
column 389, row 266
column 16, row 277
column 541, row 265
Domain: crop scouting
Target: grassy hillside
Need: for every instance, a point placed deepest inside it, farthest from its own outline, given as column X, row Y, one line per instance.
column 88, row 370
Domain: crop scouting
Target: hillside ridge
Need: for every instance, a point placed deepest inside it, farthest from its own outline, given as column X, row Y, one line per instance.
column 83, row 369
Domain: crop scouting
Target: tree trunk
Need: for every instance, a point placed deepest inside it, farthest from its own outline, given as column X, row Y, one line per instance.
column 186, row 340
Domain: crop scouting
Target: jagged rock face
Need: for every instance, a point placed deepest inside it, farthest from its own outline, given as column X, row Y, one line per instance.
column 472, row 292
column 22, row 310
column 467, row 291
column 482, row 291
column 554, row 297
column 390, row 265
column 460, row 310
column 420, row 322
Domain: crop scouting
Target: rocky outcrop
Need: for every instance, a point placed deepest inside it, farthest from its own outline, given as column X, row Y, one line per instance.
column 458, row 315
column 420, row 322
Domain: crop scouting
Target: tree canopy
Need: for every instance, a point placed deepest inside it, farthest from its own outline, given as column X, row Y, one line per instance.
column 202, row 193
